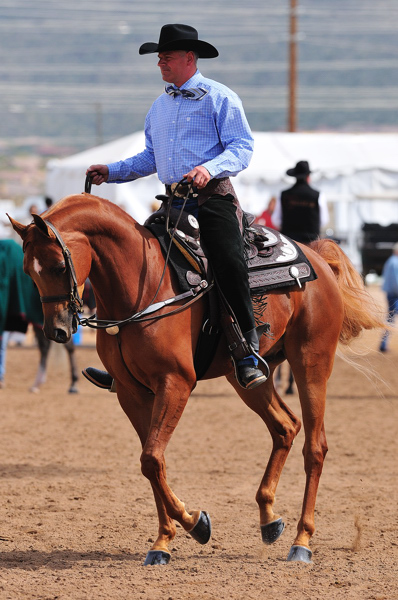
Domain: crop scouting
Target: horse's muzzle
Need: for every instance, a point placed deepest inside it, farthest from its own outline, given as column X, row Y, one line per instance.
column 60, row 336
column 59, row 326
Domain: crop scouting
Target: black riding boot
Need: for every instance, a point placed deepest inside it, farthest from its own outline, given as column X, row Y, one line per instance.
column 222, row 238
column 101, row 379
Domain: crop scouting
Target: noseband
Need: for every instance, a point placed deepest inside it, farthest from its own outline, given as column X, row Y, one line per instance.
column 73, row 297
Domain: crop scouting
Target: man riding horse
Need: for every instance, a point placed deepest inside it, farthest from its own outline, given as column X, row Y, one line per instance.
column 197, row 130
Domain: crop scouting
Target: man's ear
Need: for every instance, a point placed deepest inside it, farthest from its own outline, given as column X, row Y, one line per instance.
column 18, row 227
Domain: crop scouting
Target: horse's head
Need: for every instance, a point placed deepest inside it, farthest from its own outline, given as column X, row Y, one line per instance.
column 56, row 271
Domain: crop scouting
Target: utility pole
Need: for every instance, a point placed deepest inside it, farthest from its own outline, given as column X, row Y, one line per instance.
column 292, row 124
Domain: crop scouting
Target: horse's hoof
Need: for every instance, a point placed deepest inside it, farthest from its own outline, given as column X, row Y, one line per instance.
column 157, row 557
column 300, row 554
column 73, row 390
column 272, row 531
column 202, row 530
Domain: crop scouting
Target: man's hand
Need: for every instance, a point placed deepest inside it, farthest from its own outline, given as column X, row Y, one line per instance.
column 200, row 175
column 98, row 173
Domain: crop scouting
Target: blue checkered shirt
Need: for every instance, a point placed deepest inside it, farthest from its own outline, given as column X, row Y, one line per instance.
column 181, row 133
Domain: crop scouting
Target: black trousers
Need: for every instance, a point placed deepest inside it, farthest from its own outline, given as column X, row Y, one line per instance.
column 221, row 236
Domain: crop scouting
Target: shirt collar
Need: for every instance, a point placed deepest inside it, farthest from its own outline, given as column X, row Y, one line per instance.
column 193, row 81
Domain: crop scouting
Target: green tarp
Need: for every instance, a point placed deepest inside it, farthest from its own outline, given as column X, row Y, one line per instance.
column 19, row 298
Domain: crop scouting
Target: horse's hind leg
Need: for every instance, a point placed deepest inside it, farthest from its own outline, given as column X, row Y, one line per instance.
column 283, row 426
column 312, row 392
column 311, row 374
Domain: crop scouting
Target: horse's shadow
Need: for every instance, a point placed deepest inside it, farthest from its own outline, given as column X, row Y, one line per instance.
column 21, row 470
column 58, row 560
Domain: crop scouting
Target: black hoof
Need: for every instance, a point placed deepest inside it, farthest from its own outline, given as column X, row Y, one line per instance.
column 202, row 530
column 300, row 554
column 157, row 557
column 272, row 531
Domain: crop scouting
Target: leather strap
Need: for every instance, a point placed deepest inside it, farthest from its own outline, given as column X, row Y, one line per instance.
column 76, row 303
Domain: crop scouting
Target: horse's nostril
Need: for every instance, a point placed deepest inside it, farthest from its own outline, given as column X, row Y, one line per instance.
column 60, row 336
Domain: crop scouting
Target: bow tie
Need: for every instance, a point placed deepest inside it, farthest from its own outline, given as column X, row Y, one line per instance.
column 190, row 93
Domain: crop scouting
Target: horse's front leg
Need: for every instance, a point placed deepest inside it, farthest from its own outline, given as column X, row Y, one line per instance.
column 169, row 403
column 137, row 403
column 141, row 414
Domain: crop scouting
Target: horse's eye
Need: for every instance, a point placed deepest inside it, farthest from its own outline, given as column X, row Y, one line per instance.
column 59, row 269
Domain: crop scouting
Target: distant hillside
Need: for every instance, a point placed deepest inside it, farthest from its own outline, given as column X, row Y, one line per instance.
column 71, row 72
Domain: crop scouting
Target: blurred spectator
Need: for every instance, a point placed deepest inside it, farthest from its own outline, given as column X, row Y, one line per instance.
column 3, row 355
column 266, row 217
column 301, row 211
column 48, row 201
column 34, row 210
column 390, row 287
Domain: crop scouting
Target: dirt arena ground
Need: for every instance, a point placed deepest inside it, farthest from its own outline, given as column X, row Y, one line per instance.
column 77, row 517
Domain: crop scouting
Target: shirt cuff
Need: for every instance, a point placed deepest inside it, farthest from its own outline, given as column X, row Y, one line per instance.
column 114, row 173
column 211, row 168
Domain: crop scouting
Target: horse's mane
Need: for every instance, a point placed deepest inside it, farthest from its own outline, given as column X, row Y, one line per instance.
column 87, row 202
column 89, row 212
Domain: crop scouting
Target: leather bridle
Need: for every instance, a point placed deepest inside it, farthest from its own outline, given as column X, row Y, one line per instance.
column 75, row 303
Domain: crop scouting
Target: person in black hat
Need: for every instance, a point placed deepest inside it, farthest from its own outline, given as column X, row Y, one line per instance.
column 301, row 211
column 197, row 129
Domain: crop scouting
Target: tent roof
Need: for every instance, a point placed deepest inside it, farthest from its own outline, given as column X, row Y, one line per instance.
column 329, row 154
column 342, row 165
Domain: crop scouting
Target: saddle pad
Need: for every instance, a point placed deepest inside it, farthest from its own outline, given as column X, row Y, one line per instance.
column 262, row 276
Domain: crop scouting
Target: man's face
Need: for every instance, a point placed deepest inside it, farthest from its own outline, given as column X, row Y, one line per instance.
column 175, row 66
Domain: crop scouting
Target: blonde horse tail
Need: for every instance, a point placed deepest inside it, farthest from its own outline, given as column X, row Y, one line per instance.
column 360, row 310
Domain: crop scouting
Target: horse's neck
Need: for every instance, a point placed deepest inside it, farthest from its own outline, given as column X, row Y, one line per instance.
column 126, row 260
column 125, row 268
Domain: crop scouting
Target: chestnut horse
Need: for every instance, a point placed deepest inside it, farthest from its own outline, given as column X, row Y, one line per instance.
column 152, row 359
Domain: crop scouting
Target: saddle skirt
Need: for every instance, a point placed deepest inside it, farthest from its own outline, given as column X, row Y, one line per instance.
column 273, row 259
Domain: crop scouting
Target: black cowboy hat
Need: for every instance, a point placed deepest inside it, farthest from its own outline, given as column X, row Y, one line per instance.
column 302, row 169
column 179, row 37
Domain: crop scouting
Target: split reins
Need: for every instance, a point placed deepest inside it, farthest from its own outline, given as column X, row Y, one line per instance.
column 75, row 302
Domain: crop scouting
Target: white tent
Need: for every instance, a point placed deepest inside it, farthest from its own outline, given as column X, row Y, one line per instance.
column 358, row 173
column 67, row 176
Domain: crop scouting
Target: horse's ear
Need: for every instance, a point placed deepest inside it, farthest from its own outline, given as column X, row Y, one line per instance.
column 18, row 227
column 41, row 224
